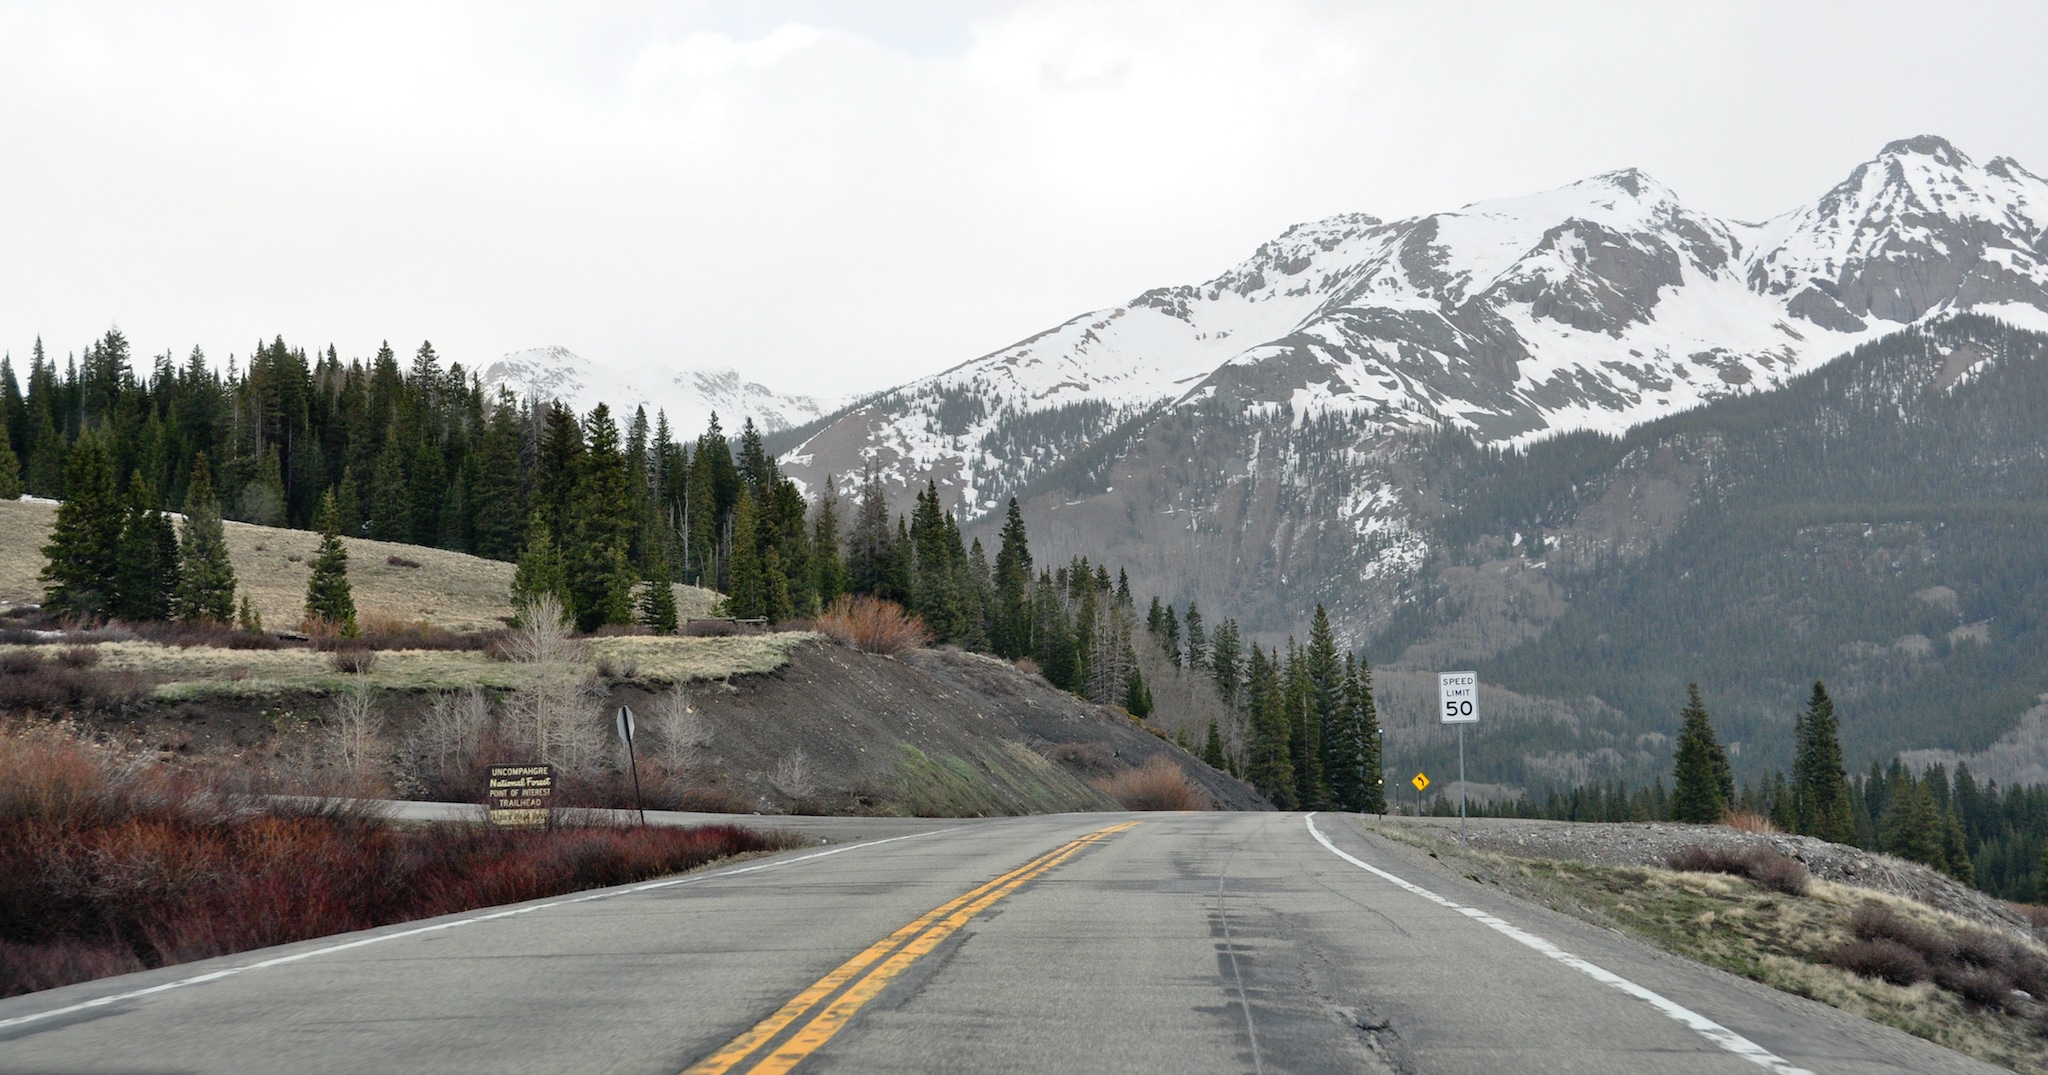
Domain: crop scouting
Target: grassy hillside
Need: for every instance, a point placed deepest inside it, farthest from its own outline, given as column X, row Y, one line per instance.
column 396, row 582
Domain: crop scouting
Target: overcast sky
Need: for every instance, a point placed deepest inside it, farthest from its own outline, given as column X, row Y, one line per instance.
column 841, row 195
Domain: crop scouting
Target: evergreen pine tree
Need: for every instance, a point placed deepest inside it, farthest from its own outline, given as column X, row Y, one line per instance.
column 746, row 595
column 1269, row 763
column 1212, row 747
column 1819, row 784
column 427, row 490
column 1344, row 761
column 330, row 606
column 1052, row 636
column 497, row 494
column 870, row 549
column 1225, row 669
column 248, row 619
column 206, row 577
column 10, row 464
column 756, row 470
column 1704, row 787
column 1358, row 685
column 602, row 525
column 1305, row 731
column 827, row 566
column 146, row 559
column 540, row 569
column 658, row 606
column 1010, row 621
column 976, row 586
column 43, row 470
column 1137, row 697
column 1197, row 646
column 390, row 498
column 83, row 553
column 557, row 471
column 1911, row 827
column 1955, row 849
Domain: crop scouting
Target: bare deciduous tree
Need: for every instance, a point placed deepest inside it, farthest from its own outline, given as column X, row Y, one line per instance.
column 554, row 717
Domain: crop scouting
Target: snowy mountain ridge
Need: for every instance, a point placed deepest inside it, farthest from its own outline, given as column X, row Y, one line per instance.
column 688, row 396
column 1599, row 305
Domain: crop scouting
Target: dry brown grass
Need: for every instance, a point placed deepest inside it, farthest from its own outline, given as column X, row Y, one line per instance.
column 872, row 625
column 1749, row 821
column 450, row 590
column 1158, row 784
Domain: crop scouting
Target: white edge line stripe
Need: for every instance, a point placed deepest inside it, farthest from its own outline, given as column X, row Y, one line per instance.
column 623, row 890
column 1705, row 1027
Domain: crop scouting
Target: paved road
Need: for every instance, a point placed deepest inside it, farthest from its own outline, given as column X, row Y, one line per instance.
column 1183, row 942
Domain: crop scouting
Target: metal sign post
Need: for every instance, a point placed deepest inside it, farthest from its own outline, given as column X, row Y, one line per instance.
column 625, row 722
column 1458, row 695
column 1421, row 781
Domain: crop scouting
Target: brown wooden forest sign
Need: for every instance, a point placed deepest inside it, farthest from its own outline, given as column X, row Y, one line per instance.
column 519, row 795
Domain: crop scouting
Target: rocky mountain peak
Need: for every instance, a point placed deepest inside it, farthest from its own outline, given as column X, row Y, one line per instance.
column 1926, row 145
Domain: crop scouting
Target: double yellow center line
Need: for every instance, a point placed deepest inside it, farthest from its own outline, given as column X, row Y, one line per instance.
column 832, row 1001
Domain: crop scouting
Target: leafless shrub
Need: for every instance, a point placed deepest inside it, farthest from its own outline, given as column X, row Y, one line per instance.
column 1087, row 757
column 794, row 775
column 1982, row 986
column 78, row 657
column 1768, row 868
column 680, row 734
column 1874, row 921
column 20, row 662
column 1889, row 960
column 352, row 746
column 872, row 625
column 353, row 661
column 625, row 668
column 1159, row 784
column 448, row 746
column 400, row 561
column 1978, row 965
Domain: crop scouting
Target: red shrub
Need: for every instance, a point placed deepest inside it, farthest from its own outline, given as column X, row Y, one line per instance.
column 105, row 869
column 1159, row 784
column 873, row 625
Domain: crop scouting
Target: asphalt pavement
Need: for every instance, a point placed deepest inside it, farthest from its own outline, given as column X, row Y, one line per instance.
column 1065, row 943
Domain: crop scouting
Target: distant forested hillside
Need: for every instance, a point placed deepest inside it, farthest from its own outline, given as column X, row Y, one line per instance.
column 1881, row 523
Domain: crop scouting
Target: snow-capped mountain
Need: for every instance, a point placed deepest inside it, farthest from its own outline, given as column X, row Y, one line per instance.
column 1600, row 305
column 689, row 396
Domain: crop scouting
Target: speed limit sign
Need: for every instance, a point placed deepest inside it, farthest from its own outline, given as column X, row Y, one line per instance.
column 1457, row 697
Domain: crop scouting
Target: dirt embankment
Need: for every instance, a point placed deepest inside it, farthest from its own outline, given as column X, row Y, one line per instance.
column 938, row 732
column 802, row 725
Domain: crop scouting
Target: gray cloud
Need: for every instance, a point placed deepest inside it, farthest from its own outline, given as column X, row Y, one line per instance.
column 837, row 195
